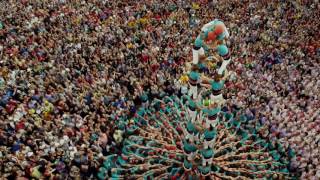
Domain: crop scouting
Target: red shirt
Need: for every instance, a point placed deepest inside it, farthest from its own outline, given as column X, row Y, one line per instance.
column 11, row 106
column 20, row 125
column 158, row 17
column 144, row 58
column 154, row 67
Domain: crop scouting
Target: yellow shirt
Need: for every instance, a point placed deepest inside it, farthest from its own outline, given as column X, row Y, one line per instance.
column 184, row 79
column 195, row 6
column 132, row 24
column 212, row 65
column 143, row 20
column 35, row 173
column 130, row 45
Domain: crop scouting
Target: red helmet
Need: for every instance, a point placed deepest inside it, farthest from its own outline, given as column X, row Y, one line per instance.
column 219, row 29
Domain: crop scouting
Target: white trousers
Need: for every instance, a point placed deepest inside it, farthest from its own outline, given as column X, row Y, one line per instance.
column 190, row 136
column 223, row 66
column 191, row 156
column 209, row 123
column 217, row 99
column 196, row 54
column 193, row 115
column 207, row 144
column 193, row 91
column 206, row 161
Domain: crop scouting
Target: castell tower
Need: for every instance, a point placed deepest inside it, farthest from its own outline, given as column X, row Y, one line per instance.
column 196, row 135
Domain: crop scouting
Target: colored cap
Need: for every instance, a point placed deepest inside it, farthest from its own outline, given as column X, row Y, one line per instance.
column 205, row 169
column 191, row 127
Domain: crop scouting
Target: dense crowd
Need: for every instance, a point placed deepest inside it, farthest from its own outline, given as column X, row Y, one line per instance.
column 277, row 67
column 70, row 71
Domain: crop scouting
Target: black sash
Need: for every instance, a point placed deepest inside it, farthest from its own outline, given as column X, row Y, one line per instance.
column 214, row 117
column 193, row 83
column 192, row 108
column 209, row 139
column 216, row 92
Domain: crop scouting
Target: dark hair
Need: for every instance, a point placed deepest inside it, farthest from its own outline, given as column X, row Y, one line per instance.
column 194, row 67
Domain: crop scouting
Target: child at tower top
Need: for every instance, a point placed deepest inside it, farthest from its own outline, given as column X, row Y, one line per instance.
column 215, row 30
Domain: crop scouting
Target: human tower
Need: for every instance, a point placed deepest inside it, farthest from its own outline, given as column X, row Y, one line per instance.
column 195, row 135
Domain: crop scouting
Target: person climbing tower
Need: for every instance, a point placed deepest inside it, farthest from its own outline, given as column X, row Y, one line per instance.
column 212, row 31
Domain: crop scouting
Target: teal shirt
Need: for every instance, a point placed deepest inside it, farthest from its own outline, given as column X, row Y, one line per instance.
column 188, row 147
column 187, row 164
column 102, row 173
column 228, row 116
column 144, row 97
column 141, row 111
column 132, row 129
column 217, row 85
column 207, row 153
column 205, row 170
column 213, row 111
column 194, row 75
column 117, row 173
column 276, row 156
column 198, row 42
column 192, row 104
column 191, row 128
column 201, row 65
column 209, row 135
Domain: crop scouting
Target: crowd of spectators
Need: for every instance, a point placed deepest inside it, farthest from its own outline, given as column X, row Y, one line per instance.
column 277, row 63
column 70, row 70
